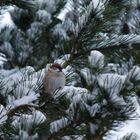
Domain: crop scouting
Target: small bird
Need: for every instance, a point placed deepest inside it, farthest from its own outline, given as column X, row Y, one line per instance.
column 54, row 78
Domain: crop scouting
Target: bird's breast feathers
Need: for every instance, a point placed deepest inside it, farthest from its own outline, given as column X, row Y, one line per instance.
column 54, row 81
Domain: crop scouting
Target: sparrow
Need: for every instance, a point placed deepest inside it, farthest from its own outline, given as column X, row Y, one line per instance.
column 54, row 78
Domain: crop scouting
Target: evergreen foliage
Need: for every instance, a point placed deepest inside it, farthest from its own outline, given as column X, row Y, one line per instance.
column 96, row 42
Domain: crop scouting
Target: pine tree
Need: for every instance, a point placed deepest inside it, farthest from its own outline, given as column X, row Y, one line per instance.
column 96, row 42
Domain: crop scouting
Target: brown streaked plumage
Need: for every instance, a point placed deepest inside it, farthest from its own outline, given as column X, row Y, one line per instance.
column 54, row 78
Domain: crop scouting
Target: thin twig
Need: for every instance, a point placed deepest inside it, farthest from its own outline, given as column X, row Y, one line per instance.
column 23, row 106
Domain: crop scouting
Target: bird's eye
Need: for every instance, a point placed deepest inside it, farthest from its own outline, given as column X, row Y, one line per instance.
column 55, row 69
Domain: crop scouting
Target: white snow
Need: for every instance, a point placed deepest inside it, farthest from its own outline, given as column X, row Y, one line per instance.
column 96, row 59
column 39, row 117
column 112, row 83
column 26, row 99
column 5, row 20
column 14, row 76
column 62, row 60
column 88, row 76
column 112, row 67
column 6, row 46
column 99, row 6
column 2, row 59
column 134, row 73
column 115, row 39
column 70, row 91
column 73, row 137
column 44, row 17
column 128, row 127
column 27, row 83
column 3, row 116
column 69, row 25
column 64, row 11
column 59, row 31
column 92, row 109
column 34, row 31
column 25, row 123
column 84, row 18
column 58, row 124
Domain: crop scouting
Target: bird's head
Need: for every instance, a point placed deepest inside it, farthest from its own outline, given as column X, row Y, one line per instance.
column 56, row 67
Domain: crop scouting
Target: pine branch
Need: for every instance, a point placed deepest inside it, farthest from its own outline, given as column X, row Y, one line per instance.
column 114, row 42
column 60, row 6
column 20, row 107
column 19, row 3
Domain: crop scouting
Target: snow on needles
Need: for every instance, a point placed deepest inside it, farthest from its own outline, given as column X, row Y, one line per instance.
column 21, row 88
column 25, row 99
column 99, row 6
column 58, row 124
column 3, row 116
column 112, row 83
column 6, row 21
column 24, row 84
column 96, row 59
column 26, row 123
column 134, row 73
column 72, row 91
column 2, row 59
